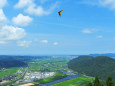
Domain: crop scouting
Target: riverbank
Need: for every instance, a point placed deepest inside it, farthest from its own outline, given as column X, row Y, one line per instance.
column 28, row 84
column 58, row 75
column 75, row 81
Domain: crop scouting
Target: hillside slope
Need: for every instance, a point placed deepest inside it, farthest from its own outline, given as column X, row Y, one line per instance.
column 9, row 61
column 101, row 66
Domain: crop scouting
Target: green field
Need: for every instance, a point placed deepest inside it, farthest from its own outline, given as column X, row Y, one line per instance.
column 9, row 71
column 81, row 81
column 38, row 64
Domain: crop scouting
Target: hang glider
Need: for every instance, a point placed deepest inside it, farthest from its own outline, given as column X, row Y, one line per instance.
column 60, row 12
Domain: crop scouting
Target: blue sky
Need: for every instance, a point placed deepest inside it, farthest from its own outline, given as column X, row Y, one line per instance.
column 33, row 27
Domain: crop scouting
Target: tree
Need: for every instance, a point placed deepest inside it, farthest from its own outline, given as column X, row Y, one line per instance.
column 109, row 81
column 101, row 85
column 96, row 81
column 89, row 84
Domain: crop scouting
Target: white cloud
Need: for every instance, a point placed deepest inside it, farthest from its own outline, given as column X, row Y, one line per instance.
column 31, row 8
column 103, row 3
column 44, row 41
column 22, row 20
column 3, row 3
column 88, row 31
column 39, row 11
column 8, row 33
column 23, row 3
column 3, row 42
column 24, row 43
column 108, row 3
column 2, row 16
column 55, row 43
column 100, row 36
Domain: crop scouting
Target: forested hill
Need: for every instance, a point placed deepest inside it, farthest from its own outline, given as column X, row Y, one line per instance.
column 22, row 58
column 100, row 65
column 9, row 61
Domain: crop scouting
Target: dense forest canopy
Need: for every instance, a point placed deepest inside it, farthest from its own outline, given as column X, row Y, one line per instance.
column 7, row 61
column 101, row 66
column 11, row 61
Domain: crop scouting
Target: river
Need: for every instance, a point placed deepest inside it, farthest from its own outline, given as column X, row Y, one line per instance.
column 60, row 80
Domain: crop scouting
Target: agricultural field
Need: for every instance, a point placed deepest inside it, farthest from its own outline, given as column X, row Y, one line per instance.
column 39, row 64
column 81, row 81
column 9, row 71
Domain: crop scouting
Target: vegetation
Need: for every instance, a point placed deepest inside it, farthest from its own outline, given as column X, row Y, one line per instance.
column 89, row 84
column 81, row 81
column 9, row 71
column 8, row 62
column 50, row 64
column 97, row 82
column 57, row 76
column 101, row 66
column 109, row 81
column 17, row 61
column 40, row 64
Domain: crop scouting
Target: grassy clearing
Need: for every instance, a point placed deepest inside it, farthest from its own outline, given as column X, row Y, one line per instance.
column 76, row 82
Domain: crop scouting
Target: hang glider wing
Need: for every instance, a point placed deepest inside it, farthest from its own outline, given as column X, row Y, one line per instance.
column 60, row 12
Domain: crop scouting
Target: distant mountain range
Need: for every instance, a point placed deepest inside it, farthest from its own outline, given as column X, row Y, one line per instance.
column 106, row 54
